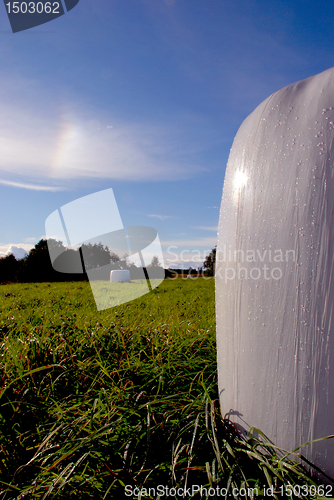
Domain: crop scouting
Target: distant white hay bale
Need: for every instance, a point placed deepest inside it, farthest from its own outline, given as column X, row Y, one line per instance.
column 119, row 276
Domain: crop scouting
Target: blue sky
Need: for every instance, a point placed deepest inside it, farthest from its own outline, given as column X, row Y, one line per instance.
column 144, row 97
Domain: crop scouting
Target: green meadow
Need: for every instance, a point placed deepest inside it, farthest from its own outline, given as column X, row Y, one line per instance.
column 112, row 404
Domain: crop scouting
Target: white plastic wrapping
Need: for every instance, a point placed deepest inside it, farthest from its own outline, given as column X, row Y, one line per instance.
column 119, row 276
column 274, row 273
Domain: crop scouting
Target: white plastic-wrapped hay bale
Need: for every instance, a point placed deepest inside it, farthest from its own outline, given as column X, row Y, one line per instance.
column 274, row 271
column 119, row 276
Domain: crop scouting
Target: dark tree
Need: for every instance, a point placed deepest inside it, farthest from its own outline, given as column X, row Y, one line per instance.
column 155, row 262
column 209, row 263
column 36, row 266
column 8, row 268
column 98, row 255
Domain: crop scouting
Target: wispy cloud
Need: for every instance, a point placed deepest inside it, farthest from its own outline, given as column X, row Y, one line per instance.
column 30, row 240
column 34, row 187
column 207, row 243
column 161, row 217
column 185, row 253
column 40, row 141
column 207, row 228
column 184, row 259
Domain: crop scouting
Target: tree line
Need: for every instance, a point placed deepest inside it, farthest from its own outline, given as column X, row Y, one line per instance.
column 37, row 266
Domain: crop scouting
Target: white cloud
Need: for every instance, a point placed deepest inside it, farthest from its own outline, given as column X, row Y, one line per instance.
column 19, row 250
column 31, row 239
column 161, row 217
column 209, row 243
column 47, row 145
column 34, row 187
column 186, row 253
column 185, row 260
column 207, row 228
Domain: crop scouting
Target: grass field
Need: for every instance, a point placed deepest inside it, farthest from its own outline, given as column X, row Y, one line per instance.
column 94, row 402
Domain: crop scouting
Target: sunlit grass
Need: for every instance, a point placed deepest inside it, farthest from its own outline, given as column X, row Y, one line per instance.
column 94, row 401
